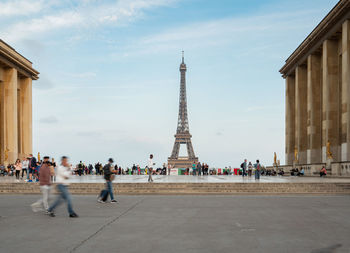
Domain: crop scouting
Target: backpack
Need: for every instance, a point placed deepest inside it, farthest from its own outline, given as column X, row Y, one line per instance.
column 107, row 171
column 242, row 165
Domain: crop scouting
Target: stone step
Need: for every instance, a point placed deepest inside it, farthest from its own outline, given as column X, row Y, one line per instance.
column 189, row 188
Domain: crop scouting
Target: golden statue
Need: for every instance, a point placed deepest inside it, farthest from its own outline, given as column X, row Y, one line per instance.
column 274, row 158
column 296, row 154
column 6, row 154
column 38, row 156
column 329, row 153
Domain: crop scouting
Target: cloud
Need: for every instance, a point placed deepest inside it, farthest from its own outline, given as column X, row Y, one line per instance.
column 34, row 46
column 225, row 31
column 49, row 120
column 20, row 7
column 88, row 133
column 43, row 83
column 82, row 75
column 85, row 15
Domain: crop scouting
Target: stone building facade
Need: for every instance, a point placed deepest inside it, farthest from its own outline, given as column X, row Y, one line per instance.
column 317, row 76
column 16, row 75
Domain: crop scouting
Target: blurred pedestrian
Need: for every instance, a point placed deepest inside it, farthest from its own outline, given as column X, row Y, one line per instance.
column 45, row 175
column 63, row 173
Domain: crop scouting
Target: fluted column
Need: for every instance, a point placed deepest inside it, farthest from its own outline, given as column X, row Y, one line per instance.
column 330, row 103
column 345, row 103
column 314, row 110
column 2, row 116
column 301, row 112
column 26, row 116
column 290, row 119
column 10, row 108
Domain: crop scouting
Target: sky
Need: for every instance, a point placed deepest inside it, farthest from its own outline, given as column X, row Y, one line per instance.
column 109, row 75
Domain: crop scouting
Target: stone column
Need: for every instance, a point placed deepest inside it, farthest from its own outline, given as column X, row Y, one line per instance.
column 290, row 119
column 2, row 116
column 10, row 108
column 314, row 110
column 26, row 116
column 301, row 112
column 345, row 103
column 330, row 97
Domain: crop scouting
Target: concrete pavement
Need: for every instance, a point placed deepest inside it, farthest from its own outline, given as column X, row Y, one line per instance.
column 180, row 224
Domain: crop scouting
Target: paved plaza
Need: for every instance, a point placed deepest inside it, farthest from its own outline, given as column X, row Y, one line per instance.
column 197, row 179
column 312, row 224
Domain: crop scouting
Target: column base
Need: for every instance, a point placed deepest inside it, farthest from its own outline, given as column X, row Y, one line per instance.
column 344, row 148
column 302, row 157
column 324, row 154
column 289, row 159
column 314, row 156
column 12, row 157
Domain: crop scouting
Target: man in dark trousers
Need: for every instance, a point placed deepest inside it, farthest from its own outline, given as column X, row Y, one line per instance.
column 199, row 168
column 108, row 176
column 31, row 167
column 244, row 167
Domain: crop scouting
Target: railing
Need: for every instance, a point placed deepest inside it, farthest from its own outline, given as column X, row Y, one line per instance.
column 341, row 168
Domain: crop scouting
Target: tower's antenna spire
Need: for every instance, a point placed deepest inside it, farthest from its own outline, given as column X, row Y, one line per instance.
column 183, row 56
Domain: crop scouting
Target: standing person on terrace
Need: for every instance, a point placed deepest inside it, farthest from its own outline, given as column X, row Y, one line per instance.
column 31, row 167
column 169, row 168
column 199, row 168
column 250, row 169
column 150, row 168
column 25, row 164
column 18, row 168
column 244, row 167
column 257, row 169
column 194, row 169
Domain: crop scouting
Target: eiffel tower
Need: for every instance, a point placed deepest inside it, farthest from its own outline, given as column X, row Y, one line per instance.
column 182, row 135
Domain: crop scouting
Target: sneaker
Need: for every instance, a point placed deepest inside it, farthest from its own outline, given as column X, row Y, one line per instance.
column 73, row 215
column 114, row 201
column 36, row 208
column 51, row 214
column 100, row 201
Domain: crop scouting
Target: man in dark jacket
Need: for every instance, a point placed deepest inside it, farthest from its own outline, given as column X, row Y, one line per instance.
column 31, row 167
column 109, row 176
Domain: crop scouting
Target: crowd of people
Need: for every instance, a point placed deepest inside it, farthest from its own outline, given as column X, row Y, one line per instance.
column 28, row 169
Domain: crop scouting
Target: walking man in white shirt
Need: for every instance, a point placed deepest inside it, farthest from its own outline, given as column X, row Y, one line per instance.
column 150, row 168
column 63, row 173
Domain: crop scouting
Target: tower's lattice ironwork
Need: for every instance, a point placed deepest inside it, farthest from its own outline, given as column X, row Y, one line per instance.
column 182, row 135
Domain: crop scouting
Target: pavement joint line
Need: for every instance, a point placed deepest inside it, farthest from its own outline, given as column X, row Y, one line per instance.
column 106, row 225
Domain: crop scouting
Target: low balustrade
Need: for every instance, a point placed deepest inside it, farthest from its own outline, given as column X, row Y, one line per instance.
column 341, row 168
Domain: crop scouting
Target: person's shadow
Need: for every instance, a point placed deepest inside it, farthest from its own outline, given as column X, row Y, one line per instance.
column 329, row 249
